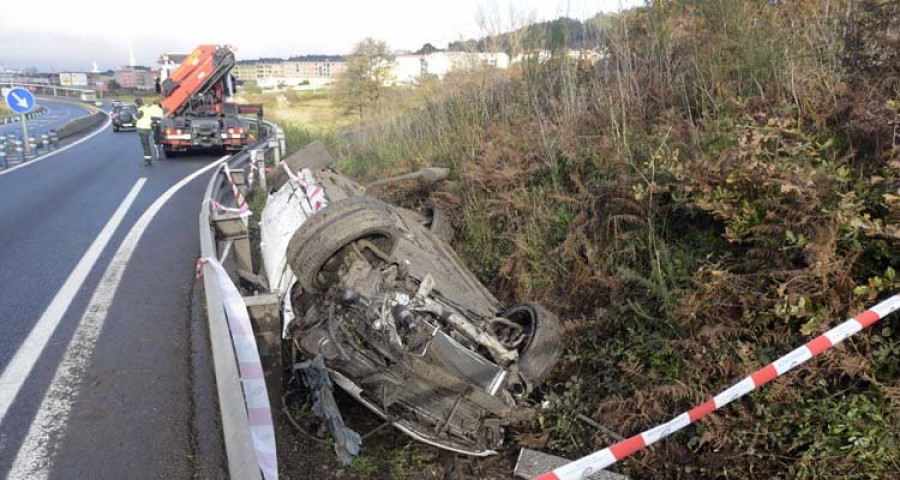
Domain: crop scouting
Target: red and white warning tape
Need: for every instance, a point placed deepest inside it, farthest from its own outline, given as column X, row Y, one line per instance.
column 256, row 397
column 238, row 196
column 590, row 464
column 314, row 193
column 253, row 170
column 243, row 212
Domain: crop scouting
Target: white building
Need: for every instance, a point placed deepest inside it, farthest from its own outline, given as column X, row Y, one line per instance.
column 409, row 69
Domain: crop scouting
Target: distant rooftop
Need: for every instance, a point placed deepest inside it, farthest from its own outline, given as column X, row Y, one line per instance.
column 317, row 58
column 299, row 58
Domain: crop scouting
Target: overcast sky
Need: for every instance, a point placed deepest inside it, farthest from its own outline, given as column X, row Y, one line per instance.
column 71, row 34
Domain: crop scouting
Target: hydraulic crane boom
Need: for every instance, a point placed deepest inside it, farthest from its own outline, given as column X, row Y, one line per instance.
column 205, row 68
column 197, row 102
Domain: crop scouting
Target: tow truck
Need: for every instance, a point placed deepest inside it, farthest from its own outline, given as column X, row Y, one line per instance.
column 200, row 113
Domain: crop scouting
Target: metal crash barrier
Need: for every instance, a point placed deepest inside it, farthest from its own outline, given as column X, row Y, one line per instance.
column 223, row 233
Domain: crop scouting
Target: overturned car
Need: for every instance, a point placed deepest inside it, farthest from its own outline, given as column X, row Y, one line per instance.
column 403, row 326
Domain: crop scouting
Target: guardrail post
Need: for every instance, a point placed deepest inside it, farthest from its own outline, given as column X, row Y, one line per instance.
column 232, row 227
column 259, row 157
column 279, row 134
column 275, row 146
column 264, row 313
column 239, row 180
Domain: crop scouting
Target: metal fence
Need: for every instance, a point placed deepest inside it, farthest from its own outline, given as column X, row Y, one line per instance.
column 236, row 431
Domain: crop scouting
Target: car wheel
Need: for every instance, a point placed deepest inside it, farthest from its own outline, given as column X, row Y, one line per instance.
column 115, row 128
column 541, row 344
column 437, row 222
column 316, row 249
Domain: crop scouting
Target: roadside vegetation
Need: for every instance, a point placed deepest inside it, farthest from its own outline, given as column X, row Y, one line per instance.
column 715, row 188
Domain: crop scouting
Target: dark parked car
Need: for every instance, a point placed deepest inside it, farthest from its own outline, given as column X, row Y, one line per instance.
column 403, row 326
column 123, row 116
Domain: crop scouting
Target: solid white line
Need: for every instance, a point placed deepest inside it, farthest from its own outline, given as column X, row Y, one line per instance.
column 63, row 149
column 19, row 368
column 46, row 432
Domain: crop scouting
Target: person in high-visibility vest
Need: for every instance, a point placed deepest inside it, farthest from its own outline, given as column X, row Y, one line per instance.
column 144, row 127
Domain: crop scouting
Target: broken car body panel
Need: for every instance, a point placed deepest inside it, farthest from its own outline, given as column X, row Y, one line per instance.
column 402, row 325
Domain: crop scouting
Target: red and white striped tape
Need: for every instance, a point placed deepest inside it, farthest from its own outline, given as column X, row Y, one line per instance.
column 253, row 170
column 199, row 268
column 238, row 196
column 590, row 464
column 243, row 212
column 315, row 194
column 256, row 397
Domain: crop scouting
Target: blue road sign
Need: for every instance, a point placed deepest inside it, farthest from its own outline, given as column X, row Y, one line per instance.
column 20, row 100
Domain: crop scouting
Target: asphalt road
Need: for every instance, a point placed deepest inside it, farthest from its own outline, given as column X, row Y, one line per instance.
column 59, row 112
column 109, row 395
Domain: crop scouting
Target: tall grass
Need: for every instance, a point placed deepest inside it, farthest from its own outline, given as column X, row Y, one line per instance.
column 717, row 187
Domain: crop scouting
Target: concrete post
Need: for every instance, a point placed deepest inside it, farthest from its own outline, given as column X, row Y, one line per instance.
column 3, row 163
column 54, row 140
column 45, row 142
column 20, row 151
column 32, row 147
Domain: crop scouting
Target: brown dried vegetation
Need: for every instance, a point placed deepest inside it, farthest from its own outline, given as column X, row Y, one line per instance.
column 720, row 187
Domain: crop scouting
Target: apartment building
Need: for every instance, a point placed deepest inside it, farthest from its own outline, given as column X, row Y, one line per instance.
column 314, row 70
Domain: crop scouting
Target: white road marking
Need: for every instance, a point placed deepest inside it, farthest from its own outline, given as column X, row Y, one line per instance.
column 35, row 456
column 63, row 149
column 15, row 374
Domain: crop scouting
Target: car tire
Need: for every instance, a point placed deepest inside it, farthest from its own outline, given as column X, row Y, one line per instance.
column 437, row 222
column 115, row 128
column 327, row 232
column 542, row 345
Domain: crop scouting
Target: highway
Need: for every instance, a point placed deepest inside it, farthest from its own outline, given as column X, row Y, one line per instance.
column 58, row 113
column 97, row 257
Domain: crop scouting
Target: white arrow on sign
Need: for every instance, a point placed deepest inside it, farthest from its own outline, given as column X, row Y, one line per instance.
column 23, row 102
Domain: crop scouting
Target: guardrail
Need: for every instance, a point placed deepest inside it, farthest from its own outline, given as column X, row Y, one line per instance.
column 55, row 90
column 236, row 429
column 17, row 117
column 12, row 146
